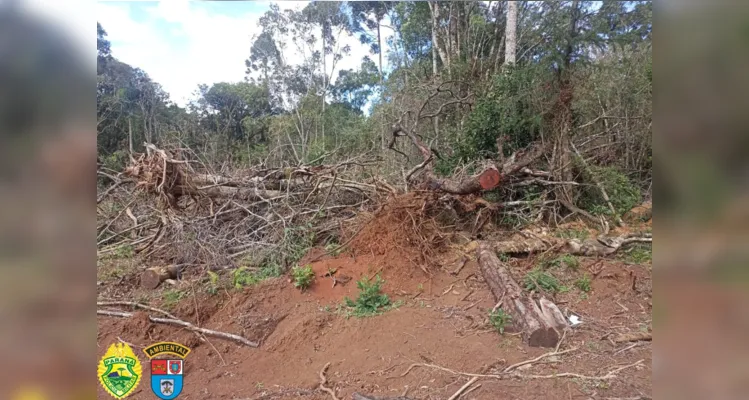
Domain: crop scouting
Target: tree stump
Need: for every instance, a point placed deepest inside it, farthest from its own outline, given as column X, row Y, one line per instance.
column 541, row 323
column 152, row 277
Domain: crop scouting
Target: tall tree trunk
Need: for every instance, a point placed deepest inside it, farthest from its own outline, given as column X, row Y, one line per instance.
column 130, row 134
column 382, row 85
column 511, row 33
column 444, row 55
column 324, row 88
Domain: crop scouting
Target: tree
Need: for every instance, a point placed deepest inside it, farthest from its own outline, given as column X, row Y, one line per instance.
column 511, row 33
column 368, row 16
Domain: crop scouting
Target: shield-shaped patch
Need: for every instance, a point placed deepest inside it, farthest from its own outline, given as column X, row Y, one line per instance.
column 166, row 378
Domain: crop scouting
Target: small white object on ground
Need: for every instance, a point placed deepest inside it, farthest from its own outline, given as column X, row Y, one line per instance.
column 574, row 319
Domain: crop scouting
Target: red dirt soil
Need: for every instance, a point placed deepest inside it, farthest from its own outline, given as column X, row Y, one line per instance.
column 443, row 321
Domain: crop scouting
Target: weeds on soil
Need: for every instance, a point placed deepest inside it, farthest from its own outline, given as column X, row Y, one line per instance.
column 499, row 320
column 548, row 282
column 583, row 283
column 171, row 297
column 371, row 300
column 303, row 276
column 640, row 253
column 566, row 260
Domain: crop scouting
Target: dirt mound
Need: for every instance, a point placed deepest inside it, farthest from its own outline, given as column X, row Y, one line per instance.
column 407, row 224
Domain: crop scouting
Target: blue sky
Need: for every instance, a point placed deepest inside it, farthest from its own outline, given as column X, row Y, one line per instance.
column 181, row 44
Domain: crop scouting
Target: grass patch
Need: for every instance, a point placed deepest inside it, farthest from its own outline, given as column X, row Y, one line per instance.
column 499, row 320
column 303, row 276
column 583, row 283
column 371, row 300
column 171, row 297
column 640, row 253
column 537, row 277
column 566, row 260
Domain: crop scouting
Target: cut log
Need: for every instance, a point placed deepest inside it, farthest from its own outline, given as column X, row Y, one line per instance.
column 541, row 324
column 152, row 277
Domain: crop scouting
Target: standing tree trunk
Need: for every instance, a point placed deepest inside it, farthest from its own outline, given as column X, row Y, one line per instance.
column 511, row 33
column 383, row 131
column 444, row 56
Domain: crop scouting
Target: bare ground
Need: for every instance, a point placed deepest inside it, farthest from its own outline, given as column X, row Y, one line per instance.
column 442, row 321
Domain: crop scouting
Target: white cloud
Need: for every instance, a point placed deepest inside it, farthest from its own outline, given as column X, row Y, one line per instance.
column 193, row 46
column 181, row 44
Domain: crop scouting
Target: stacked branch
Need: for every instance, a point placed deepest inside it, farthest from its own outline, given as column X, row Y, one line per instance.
column 180, row 212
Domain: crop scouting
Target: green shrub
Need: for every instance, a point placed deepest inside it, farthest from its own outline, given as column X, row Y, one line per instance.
column 303, row 276
column 583, row 283
column 212, row 283
column 371, row 300
column 538, row 277
column 242, row 277
column 566, row 260
column 499, row 319
column 640, row 253
column 171, row 297
column 624, row 194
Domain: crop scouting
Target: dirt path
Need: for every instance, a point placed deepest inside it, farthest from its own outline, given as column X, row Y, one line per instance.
column 442, row 321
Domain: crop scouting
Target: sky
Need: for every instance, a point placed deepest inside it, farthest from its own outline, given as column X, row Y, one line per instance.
column 182, row 44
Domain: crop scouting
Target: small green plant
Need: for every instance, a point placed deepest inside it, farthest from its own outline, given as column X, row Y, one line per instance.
column 171, row 297
column 583, row 283
column 503, row 257
column 420, row 287
column 333, row 249
column 303, row 276
column 548, row 283
column 242, row 277
column 212, row 283
column 566, row 260
column 499, row 320
column 371, row 300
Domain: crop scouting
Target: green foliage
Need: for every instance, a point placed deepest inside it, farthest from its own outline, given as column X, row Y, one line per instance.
column 639, row 253
column 583, row 283
column 371, row 300
column 537, row 277
column 303, row 276
column 506, row 110
column 242, row 277
column 499, row 320
column 171, row 297
column 115, row 161
column 566, row 260
column 124, row 251
column 624, row 194
column 212, row 283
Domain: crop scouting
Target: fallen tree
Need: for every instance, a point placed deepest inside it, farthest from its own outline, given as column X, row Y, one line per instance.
column 541, row 323
column 599, row 246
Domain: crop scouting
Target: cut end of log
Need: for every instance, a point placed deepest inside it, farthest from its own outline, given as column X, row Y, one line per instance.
column 543, row 337
column 489, row 179
column 152, row 277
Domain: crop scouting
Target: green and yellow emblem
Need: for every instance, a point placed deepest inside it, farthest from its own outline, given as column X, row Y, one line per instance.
column 119, row 371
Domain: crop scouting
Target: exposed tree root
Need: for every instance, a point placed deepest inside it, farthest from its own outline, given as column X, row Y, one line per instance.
column 324, row 380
